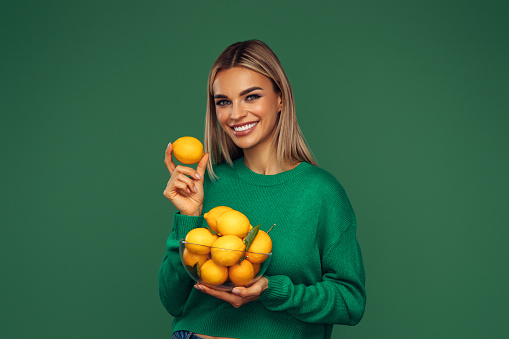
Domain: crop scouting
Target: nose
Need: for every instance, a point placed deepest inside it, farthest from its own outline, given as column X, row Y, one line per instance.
column 237, row 111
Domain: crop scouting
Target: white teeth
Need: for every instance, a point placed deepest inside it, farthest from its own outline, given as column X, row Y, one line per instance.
column 244, row 128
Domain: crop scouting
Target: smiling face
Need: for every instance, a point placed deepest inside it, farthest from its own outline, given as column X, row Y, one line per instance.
column 247, row 107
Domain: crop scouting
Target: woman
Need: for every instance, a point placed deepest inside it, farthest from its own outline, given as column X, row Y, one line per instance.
column 260, row 165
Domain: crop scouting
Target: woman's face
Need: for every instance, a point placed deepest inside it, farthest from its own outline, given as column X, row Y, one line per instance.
column 247, row 107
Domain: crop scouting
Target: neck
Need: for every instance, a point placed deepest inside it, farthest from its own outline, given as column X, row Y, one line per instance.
column 264, row 161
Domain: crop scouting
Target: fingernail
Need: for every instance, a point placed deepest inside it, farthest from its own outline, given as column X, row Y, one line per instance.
column 236, row 291
column 197, row 176
column 195, row 189
column 198, row 287
column 188, row 190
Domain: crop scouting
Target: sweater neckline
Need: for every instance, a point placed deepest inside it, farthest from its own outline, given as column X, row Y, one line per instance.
column 248, row 175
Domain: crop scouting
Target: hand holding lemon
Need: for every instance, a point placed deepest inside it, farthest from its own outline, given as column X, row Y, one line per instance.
column 185, row 187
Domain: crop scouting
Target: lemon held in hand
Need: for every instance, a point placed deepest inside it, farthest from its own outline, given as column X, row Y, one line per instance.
column 188, row 150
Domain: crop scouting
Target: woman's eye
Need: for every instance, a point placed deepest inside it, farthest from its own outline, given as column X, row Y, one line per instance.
column 252, row 97
column 222, row 102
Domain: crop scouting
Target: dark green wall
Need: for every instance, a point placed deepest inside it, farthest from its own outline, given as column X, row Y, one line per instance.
column 405, row 102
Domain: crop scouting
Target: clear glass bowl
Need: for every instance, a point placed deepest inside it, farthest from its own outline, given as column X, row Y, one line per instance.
column 228, row 285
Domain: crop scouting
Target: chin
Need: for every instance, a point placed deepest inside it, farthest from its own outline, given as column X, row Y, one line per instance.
column 243, row 143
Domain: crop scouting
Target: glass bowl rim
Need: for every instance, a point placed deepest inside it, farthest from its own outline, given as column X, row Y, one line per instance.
column 183, row 241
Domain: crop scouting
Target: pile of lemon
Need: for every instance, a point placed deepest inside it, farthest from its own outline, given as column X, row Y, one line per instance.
column 230, row 248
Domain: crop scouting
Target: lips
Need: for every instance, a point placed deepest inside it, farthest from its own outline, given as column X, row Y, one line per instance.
column 243, row 129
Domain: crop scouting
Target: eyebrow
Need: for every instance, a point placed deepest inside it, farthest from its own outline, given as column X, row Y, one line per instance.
column 244, row 92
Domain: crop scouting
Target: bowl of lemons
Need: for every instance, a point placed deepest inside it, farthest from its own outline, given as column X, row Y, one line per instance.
column 228, row 253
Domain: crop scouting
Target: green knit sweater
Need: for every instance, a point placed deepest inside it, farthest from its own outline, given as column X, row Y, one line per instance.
column 316, row 275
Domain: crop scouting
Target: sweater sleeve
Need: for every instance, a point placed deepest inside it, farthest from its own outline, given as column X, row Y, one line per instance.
column 339, row 297
column 174, row 282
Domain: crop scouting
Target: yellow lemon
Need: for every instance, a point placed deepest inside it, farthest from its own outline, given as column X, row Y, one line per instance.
column 241, row 274
column 261, row 244
column 212, row 215
column 213, row 274
column 227, row 250
column 233, row 223
column 188, row 150
column 197, row 237
column 190, row 258
column 256, row 268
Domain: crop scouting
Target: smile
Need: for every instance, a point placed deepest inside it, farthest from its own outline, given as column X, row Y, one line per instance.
column 244, row 127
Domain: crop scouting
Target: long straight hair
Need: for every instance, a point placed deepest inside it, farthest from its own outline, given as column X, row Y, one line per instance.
column 290, row 144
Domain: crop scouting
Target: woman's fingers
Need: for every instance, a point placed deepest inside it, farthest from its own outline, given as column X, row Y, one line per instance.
column 200, row 169
column 187, row 171
column 185, row 187
column 240, row 295
column 181, row 181
column 176, row 187
column 168, row 159
column 182, row 186
column 184, row 178
column 202, row 165
column 191, row 185
column 228, row 297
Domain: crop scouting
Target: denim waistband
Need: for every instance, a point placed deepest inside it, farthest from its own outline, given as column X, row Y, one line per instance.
column 185, row 335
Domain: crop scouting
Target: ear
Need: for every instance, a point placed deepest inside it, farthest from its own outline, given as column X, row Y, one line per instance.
column 280, row 102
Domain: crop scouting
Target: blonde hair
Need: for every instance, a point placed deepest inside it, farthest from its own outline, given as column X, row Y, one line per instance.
column 290, row 144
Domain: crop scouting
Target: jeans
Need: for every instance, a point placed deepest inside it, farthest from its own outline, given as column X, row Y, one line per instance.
column 185, row 335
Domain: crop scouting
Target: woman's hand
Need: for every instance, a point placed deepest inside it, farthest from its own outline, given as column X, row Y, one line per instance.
column 185, row 187
column 240, row 295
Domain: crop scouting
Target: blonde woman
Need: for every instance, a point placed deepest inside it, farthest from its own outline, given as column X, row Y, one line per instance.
column 257, row 162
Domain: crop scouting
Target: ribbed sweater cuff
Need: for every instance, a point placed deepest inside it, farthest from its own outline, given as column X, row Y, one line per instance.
column 277, row 290
column 182, row 224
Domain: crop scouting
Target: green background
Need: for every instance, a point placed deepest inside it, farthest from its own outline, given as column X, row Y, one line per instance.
column 405, row 102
